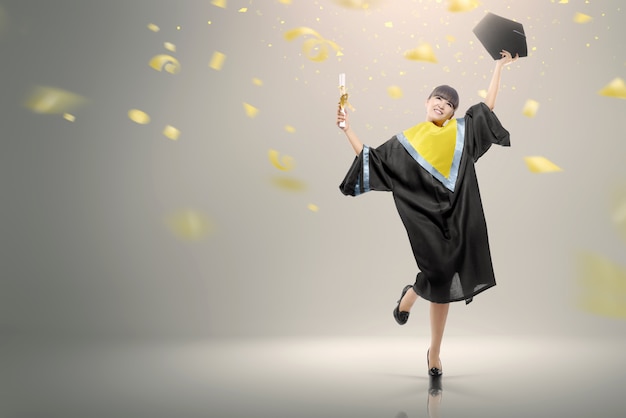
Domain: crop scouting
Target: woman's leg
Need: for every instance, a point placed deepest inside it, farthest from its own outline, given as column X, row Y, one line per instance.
column 408, row 300
column 438, row 316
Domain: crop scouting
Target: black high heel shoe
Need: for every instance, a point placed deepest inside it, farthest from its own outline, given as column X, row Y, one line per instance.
column 401, row 317
column 432, row 371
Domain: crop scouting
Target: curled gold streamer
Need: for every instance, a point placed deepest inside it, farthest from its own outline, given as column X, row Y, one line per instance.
column 164, row 62
column 284, row 163
column 316, row 49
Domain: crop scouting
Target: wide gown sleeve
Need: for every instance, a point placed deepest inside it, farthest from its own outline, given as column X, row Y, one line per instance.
column 369, row 171
column 484, row 129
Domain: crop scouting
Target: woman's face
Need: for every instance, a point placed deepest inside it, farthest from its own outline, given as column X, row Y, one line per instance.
column 438, row 110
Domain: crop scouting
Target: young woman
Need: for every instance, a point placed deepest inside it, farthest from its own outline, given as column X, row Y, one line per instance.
column 429, row 168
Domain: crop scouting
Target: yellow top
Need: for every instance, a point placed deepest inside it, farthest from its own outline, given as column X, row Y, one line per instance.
column 435, row 144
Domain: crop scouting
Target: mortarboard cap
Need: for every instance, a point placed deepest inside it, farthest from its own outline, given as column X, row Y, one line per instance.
column 497, row 33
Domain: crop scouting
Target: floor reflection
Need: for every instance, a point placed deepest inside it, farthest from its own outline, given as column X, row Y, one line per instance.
column 435, row 396
column 315, row 378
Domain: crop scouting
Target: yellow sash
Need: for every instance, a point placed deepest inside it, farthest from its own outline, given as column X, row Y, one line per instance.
column 435, row 144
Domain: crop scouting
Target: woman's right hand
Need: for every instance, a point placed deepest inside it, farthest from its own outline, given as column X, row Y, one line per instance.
column 342, row 116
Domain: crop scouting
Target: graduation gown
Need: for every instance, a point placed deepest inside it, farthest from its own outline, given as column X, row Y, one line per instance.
column 440, row 208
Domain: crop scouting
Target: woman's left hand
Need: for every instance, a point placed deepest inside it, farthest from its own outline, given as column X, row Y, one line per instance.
column 507, row 58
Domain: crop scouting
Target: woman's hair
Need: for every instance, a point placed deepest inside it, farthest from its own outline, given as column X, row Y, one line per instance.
column 447, row 93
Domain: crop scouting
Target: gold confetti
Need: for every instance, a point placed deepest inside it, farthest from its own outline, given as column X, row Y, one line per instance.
column 257, row 82
column 153, row 27
column 541, row 165
column 616, row 88
column 290, row 129
column 389, row 24
column 450, row 38
column 395, row 92
column 582, row 18
column 138, row 116
column 563, row 1
column 69, row 117
column 217, row 61
column 171, row 132
column 530, row 108
column 170, row 46
column 243, row 10
column 285, row 1
column 482, row 93
column 51, row 100
column 313, row 208
column 289, row 184
column 424, row 52
column 315, row 49
column 284, row 163
column 462, row 5
column 165, row 62
column 190, row 225
column 219, row 3
column 250, row 110
column 602, row 286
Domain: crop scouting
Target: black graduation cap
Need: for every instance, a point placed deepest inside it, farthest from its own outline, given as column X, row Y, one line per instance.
column 497, row 33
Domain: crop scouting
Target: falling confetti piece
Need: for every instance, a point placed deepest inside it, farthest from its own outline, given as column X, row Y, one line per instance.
column 69, row 117
column 190, row 225
column 290, row 129
column 616, row 88
column 50, row 100
column 482, row 93
column 389, row 24
column 219, row 3
column 450, row 38
column 170, row 46
column 284, row 163
column 138, row 116
column 462, row 5
column 424, row 52
column 165, row 62
column 243, row 10
column 250, row 110
column 394, row 92
column 289, row 184
column 541, row 165
column 153, row 27
column 217, row 61
column 530, row 108
column 602, row 286
column 257, row 82
column 315, row 49
column 582, row 18
column 618, row 209
column 171, row 132
column 285, row 1
column 563, row 1
column 313, row 208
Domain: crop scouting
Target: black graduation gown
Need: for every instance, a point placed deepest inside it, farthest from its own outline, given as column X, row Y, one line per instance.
column 446, row 229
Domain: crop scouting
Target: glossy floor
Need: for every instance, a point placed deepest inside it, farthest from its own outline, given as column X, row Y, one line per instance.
column 317, row 377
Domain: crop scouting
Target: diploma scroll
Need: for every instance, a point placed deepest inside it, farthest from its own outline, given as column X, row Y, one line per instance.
column 343, row 100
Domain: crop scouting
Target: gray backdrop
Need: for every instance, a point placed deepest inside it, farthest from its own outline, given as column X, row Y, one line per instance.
column 86, row 249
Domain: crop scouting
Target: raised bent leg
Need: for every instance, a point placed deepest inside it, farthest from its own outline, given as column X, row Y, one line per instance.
column 408, row 300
